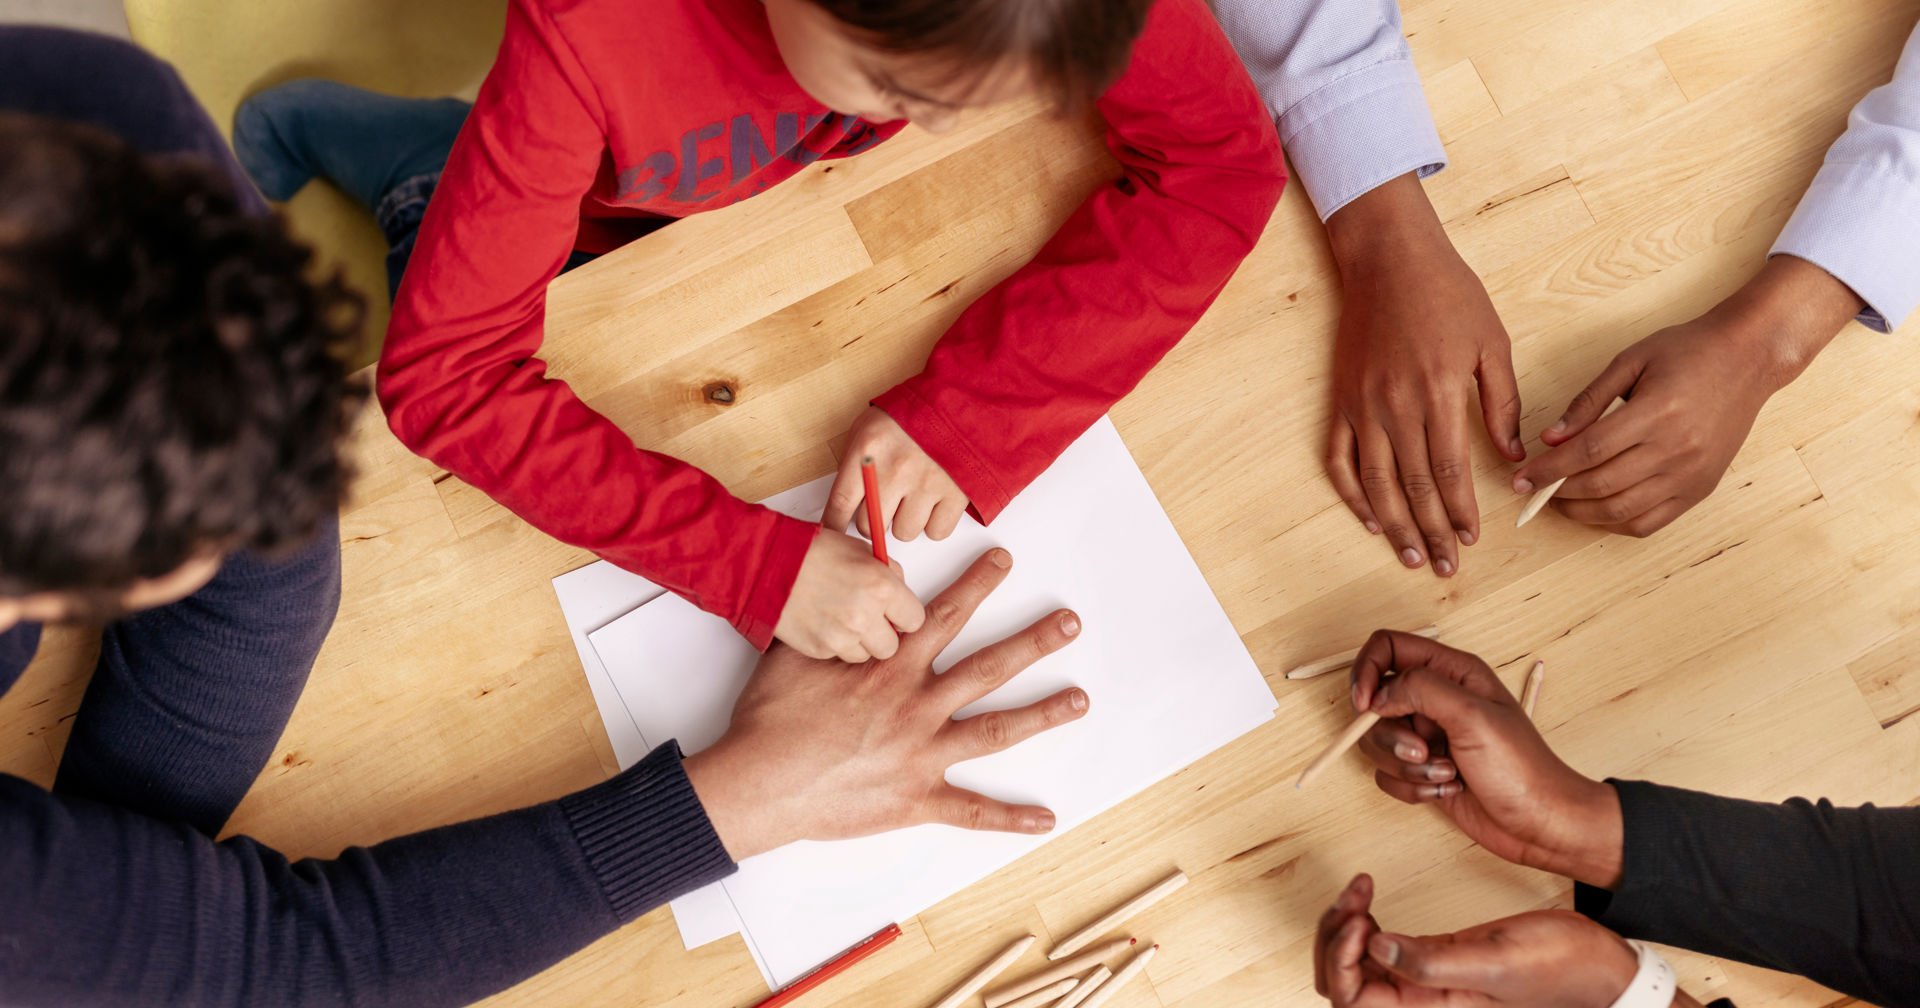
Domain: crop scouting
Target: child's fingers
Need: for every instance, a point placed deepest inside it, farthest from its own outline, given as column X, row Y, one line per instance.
column 904, row 610
column 946, row 518
column 1343, row 468
column 910, row 518
column 845, row 497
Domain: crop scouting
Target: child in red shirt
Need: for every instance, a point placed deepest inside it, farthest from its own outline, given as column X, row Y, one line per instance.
column 604, row 119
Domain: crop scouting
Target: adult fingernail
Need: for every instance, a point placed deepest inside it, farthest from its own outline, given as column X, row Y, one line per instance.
column 1069, row 624
column 1517, row 447
column 1384, row 949
column 1001, row 558
column 1558, row 426
column 1439, row 772
column 1373, row 527
column 1041, row 822
column 1467, row 537
column 1356, row 696
column 1444, row 566
column 1410, row 557
column 1522, row 486
column 1077, row 700
column 1408, row 753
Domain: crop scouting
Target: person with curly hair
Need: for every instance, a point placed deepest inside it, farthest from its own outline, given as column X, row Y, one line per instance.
column 173, row 400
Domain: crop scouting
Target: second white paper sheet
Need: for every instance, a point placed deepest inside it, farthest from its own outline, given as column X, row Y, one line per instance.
column 1168, row 678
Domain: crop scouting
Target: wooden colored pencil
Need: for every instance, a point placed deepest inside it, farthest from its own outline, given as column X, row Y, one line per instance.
column 1538, row 501
column 1085, row 936
column 840, row 964
column 1045, row 995
column 985, row 974
column 1360, row 726
column 1055, row 973
column 1087, row 986
column 876, row 528
column 1530, row 693
column 1346, row 659
column 1134, row 967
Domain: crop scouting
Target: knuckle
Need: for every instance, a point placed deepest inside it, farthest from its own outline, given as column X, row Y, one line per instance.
column 1582, row 401
column 974, row 814
column 1448, row 470
column 994, row 730
column 1377, row 479
column 1419, row 487
column 1614, row 513
column 945, row 614
column 1592, row 452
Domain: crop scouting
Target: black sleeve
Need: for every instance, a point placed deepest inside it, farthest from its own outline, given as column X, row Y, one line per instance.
column 99, row 906
column 1828, row 893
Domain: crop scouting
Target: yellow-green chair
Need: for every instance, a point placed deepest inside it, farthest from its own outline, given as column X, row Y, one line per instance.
column 229, row 49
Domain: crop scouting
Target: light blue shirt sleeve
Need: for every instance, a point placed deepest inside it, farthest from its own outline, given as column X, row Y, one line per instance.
column 1339, row 79
column 1860, row 220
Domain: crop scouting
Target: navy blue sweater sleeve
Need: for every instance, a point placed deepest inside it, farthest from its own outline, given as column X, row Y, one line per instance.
column 99, row 906
column 1832, row 894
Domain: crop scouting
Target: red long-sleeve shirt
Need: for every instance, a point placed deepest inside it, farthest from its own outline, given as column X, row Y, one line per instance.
column 599, row 112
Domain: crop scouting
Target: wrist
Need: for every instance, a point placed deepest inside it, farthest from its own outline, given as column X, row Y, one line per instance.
column 1393, row 219
column 1592, row 847
column 742, row 819
column 1783, row 317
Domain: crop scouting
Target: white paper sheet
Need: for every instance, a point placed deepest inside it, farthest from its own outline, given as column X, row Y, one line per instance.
column 590, row 598
column 1167, row 674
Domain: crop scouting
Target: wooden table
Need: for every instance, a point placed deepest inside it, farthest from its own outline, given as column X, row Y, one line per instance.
column 1617, row 168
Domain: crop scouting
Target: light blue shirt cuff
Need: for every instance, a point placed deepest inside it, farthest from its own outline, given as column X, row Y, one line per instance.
column 1861, row 223
column 1366, row 128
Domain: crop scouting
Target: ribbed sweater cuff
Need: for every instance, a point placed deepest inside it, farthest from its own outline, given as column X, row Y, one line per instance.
column 646, row 836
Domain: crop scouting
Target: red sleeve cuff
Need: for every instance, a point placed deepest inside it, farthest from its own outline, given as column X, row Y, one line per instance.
column 774, row 583
column 942, row 442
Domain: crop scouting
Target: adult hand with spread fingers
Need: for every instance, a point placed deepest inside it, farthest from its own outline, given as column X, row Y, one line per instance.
column 824, row 750
column 1543, row 959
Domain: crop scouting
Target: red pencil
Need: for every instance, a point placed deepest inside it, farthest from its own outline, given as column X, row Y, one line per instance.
column 870, row 475
column 844, row 961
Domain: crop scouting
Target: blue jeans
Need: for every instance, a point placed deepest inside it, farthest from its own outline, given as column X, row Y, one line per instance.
column 385, row 152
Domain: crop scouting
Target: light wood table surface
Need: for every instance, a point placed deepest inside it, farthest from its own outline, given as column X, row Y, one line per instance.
column 1616, row 168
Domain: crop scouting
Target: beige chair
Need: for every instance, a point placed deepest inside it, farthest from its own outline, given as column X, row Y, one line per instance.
column 229, row 49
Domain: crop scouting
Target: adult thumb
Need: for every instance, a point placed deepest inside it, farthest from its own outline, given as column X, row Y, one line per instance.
column 1442, row 962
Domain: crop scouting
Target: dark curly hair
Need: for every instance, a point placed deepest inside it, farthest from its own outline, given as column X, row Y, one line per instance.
column 1075, row 48
column 171, row 383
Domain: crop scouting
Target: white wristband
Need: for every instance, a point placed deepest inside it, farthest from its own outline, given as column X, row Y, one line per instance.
column 1653, row 986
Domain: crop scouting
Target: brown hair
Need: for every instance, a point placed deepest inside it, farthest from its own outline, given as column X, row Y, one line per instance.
column 171, row 381
column 1075, row 48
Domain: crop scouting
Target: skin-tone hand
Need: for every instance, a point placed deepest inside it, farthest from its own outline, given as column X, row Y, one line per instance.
column 1451, row 734
column 822, row 750
column 1692, row 394
column 1543, row 959
column 847, row 605
column 916, row 495
column 1417, row 332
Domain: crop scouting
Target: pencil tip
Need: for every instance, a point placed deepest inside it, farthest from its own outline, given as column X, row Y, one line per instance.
column 866, row 460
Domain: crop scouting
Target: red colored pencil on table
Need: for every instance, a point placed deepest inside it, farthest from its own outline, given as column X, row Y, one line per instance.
column 870, row 475
column 844, row 961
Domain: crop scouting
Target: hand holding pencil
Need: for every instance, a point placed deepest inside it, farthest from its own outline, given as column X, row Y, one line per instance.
column 1450, row 733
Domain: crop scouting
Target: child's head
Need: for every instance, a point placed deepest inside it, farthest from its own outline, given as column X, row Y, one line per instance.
column 925, row 60
column 172, row 386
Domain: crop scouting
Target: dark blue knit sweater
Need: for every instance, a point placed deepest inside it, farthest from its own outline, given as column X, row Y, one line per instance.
column 101, row 905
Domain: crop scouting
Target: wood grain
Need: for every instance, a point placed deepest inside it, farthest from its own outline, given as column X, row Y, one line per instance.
column 1616, row 168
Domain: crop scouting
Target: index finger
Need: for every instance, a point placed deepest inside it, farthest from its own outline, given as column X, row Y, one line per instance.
column 1399, row 652
column 1612, row 434
column 951, row 609
column 846, row 495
